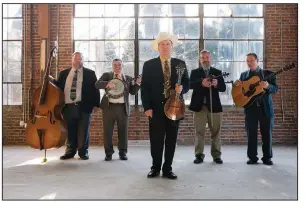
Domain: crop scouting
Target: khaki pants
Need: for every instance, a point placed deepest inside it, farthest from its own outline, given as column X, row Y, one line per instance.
column 201, row 119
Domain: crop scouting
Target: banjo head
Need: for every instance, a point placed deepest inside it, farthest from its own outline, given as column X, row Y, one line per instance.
column 118, row 91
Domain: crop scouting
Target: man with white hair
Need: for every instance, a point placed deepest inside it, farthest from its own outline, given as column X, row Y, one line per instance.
column 159, row 77
column 81, row 96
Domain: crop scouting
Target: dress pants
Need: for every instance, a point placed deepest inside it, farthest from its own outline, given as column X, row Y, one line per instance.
column 115, row 113
column 255, row 114
column 201, row 118
column 162, row 132
column 78, row 124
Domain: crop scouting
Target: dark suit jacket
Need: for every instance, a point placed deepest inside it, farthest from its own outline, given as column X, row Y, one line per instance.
column 90, row 95
column 152, row 86
column 130, row 87
column 200, row 91
column 267, row 98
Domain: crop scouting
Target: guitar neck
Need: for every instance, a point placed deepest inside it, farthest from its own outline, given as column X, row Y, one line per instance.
column 269, row 76
column 273, row 75
column 287, row 67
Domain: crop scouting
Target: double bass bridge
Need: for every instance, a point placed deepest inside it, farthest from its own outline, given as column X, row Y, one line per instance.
column 50, row 115
column 39, row 116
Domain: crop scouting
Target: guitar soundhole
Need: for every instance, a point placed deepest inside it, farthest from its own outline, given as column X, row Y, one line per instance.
column 249, row 93
column 251, row 87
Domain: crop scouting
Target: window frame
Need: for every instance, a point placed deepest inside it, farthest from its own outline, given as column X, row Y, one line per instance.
column 6, row 84
column 201, row 39
column 234, row 39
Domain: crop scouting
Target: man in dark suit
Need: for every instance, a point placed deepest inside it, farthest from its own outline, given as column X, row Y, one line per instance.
column 158, row 78
column 260, row 111
column 81, row 97
column 200, row 104
column 116, row 109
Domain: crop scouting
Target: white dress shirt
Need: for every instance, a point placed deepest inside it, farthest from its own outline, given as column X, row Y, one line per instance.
column 79, row 84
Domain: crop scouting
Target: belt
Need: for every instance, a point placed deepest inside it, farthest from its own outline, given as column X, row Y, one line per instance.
column 116, row 103
column 256, row 104
column 74, row 103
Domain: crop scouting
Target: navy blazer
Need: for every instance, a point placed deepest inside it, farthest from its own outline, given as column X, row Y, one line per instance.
column 152, row 86
column 272, row 89
column 90, row 95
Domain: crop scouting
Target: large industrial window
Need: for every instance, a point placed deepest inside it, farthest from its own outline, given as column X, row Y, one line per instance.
column 103, row 32
column 12, row 46
column 230, row 31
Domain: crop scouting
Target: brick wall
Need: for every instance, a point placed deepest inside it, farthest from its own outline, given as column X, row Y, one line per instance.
column 285, row 132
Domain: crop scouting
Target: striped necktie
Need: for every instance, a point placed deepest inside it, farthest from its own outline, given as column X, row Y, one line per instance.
column 73, row 87
column 167, row 79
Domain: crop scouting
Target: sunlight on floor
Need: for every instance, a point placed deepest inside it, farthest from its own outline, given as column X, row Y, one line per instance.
column 38, row 161
column 49, row 196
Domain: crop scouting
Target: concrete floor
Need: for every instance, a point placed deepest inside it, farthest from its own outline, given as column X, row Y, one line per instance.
column 25, row 177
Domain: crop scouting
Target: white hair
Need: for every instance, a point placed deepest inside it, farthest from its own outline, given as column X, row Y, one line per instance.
column 77, row 52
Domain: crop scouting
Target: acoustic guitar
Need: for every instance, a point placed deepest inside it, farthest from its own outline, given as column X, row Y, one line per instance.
column 245, row 94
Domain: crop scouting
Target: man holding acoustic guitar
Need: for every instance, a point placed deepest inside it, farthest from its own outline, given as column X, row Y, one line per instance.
column 115, row 105
column 207, row 82
column 260, row 110
column 161, row 79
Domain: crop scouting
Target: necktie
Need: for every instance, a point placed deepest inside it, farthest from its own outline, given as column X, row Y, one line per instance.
column 167, row 79
column 206, row 71
column 116, row 75
column 73, row 87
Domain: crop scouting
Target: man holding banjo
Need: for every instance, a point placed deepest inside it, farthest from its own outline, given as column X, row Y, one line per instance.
column 115, row 105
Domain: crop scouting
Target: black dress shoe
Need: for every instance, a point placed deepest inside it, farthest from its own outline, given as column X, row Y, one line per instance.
column 84, row 157
column 169, row 175
column 267, row 162
column 67, row 156
column 250, row 161
column 218, row 161
column 123, row 157
column 198, row 160
column 153, row 173
column 108, row 158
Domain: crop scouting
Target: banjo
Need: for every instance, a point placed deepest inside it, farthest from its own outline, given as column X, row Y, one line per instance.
column 118, row 91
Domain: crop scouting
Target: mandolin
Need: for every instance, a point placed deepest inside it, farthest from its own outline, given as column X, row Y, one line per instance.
column 174, row 107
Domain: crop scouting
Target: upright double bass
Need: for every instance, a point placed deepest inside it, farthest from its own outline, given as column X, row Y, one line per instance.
column 47, row 129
